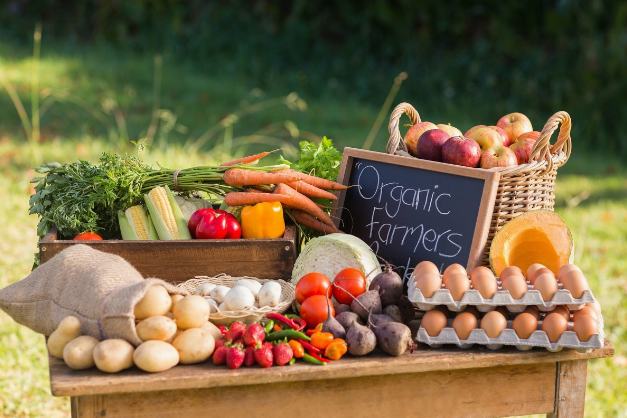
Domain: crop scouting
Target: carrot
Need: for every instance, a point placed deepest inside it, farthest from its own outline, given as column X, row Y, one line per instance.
column 241, row 177
column 296, row 200
column 317, row 181
column 311, row 191
column 251, row 198
column 309, row 221
column 247, row 160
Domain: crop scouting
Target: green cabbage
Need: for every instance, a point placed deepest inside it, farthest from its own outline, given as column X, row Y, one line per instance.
column 332, row 253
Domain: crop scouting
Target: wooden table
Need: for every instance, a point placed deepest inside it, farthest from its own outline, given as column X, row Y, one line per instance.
column 441, row 383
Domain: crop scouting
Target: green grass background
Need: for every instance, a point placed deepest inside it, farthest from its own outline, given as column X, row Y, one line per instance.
column 98, row 99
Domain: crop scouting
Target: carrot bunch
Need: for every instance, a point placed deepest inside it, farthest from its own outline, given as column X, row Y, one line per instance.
column 293, row 189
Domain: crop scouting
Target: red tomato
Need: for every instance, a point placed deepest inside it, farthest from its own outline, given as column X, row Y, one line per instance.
column 312, row 284
column 353, row 281
column 88, row 236
column 195, row 219
column 314, row 310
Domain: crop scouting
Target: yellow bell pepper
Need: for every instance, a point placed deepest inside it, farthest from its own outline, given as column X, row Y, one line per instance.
column 264, row 220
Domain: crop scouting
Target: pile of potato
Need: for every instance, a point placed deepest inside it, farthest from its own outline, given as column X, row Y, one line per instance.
column 245, row 293
column 174, row 329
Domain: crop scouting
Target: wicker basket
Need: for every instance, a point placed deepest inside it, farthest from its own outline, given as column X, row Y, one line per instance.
column 522, row 188
column 248, row 315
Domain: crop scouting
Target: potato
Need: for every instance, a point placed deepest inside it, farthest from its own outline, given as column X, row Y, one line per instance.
column 159, row 328
column 194, row 345
column 112, row 356
column 191, row 312
column 239, row 297
column 155, row 356
column 78, row 354
column 156, row 302
column 176, row 334
column 213, row 330
column 69, row 328
column 175, row 299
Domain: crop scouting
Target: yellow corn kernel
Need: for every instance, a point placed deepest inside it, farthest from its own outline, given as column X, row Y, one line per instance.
column 137, row 221
column 160, row 199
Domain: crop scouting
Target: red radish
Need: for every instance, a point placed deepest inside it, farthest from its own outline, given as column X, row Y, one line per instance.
column 254, row 335
column 192, row 224
column 235, row 357
column 236, row 331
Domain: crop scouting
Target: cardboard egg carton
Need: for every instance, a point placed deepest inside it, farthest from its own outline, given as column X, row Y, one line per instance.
column 509, row 337
column 501, row 298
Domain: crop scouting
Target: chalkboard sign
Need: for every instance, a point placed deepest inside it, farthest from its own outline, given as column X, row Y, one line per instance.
column 410, row 210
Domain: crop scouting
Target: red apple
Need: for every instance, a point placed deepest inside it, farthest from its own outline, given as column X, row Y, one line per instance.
column 450, row 130
column 506, row 141
column 522, row 148
column 430, row 144
column 533, row 135
column 469, row 131
column 498, row 156
column 461, row 151
column 486, row 137
column 413, row 135
column 515, row 124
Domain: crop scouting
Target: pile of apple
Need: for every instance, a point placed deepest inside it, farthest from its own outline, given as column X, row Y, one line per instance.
column 507, row 144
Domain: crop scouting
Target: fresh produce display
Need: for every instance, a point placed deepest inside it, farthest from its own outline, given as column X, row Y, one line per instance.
column 538, row 236
column 507, row 144
column 540, row 287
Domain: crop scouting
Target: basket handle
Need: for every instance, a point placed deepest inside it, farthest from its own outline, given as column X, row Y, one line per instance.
column 396, row 145
column 543, row 146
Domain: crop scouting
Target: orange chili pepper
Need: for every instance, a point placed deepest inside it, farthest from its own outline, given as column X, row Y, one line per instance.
column 321, row 339
column 336, row 349
column 277, row 328
column 297, row 348
column 318, row 328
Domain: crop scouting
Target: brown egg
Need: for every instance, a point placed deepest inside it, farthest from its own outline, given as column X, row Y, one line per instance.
column 457, row 284
column 424, row 267
column 463, row 323
column 554, row 325
column 486, row 285
column 473, row 310
column 508, row 271
column 585, row 327
column 538, row 273
column 562, row 310
column 596, row 306
column 503, row 311
column 453, row 269
column 428, row 283
column 565, row 269
column 531, row 271
column 524, row 325
column 493, row 323
column 547, row 286
column 516, row 286
column 576, row 282
column 433, row 321
column 585, row 311
column 533, row 311
column 480, row 271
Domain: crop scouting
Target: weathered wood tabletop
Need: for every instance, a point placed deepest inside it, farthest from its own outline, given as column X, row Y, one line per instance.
column 446, row 382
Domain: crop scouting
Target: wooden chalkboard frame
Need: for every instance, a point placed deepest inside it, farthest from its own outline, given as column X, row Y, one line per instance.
column 486, row 208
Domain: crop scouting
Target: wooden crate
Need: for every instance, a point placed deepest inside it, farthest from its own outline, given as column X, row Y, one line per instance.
column 176, row 261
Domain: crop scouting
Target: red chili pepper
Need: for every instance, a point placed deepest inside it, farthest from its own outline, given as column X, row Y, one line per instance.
column 317, row 357
column 310, row 347
column 278, row 317
column 300, row 323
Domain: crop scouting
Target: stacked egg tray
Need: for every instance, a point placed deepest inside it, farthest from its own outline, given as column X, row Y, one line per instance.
column 509, row 337
column 502, row 297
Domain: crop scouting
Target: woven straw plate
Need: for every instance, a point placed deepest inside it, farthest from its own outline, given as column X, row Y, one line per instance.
column 248, row 315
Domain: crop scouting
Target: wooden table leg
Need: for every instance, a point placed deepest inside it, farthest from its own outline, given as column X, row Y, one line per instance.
column 571, row 389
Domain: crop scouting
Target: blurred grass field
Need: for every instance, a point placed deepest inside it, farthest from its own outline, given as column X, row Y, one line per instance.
column 100, row 100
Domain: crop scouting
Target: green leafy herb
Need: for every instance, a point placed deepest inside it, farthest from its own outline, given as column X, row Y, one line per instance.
column 321, row 160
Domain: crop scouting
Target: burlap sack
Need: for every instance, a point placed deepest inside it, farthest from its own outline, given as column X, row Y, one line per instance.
column 100, row 289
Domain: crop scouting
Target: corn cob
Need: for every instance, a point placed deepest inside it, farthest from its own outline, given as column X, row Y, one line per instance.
column 166, row 214
column 135, row 224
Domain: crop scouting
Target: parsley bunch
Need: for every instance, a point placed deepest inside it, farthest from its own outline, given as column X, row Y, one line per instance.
column 321, row 160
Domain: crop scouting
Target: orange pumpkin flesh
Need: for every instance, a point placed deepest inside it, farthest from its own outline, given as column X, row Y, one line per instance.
column 538, row 236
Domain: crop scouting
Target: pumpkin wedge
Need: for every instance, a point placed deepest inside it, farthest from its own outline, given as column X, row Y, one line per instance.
column 538, row 236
